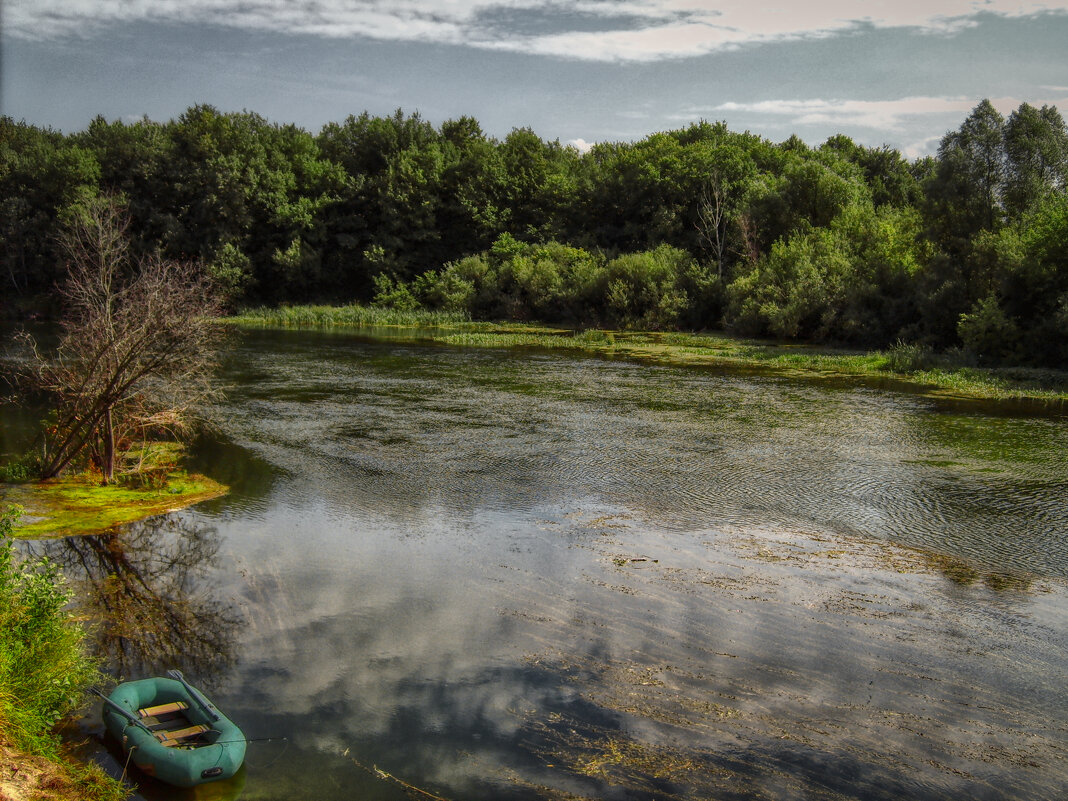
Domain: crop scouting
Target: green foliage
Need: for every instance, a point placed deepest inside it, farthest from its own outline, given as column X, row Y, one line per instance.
column 43, row 667
column 557, row 283
column 848, row 281
column 841, row 242
column 230, row 271
column 391, row 294
column 447, row 290
column 1036, row 155
column 21, row 469
column 644, row 290
column 908, row 357
column 987, row 332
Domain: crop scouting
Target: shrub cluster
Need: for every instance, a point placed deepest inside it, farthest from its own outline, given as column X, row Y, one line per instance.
column 662, row 288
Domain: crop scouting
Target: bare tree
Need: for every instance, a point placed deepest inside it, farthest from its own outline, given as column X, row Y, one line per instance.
column 712, row 219
column 137, row 350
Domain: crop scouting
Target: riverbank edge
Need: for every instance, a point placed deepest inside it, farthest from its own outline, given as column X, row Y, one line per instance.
column 78, row 505
column 24, row 775
column 929, row 375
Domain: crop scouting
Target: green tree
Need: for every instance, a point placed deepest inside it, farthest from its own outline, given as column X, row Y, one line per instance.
column 386, row 219
column 851, row 281
column 1036, row 152
column 240, row 183
column 474, row 186
column 965, row 193
column 43, row 177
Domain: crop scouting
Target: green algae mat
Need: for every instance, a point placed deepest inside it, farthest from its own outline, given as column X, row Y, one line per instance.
column 79, row 505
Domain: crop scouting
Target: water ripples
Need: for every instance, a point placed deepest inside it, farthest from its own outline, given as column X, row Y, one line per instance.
column 471, row 428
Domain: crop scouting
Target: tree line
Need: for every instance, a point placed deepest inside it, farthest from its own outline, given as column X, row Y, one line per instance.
column 696, row 228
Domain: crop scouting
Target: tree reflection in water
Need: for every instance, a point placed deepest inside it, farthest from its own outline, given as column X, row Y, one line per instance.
column 144, row 589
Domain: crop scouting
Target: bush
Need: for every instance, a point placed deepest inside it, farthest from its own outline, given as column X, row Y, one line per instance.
column 644, row 290
column 988, row 332
column 445, row 290
column 396, row 295
column 43, row 667
column 43, row 672
column 20, row 470
column 908, row 357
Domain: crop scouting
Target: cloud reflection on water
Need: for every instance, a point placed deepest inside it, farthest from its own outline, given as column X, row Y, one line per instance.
column 505, row 576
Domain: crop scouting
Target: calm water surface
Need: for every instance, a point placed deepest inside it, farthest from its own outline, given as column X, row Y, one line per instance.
column 504, row 575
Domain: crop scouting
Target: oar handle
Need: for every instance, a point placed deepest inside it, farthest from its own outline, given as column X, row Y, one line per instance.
column 126, row 713
column 195, row 693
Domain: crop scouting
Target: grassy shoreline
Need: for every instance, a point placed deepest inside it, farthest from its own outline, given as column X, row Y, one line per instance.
column 905, row 369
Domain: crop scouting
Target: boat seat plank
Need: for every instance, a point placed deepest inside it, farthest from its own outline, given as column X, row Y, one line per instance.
column 163, row 709
column 175, row 736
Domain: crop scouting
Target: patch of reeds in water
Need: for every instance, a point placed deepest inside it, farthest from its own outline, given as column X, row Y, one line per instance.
column 911, row 367
column 353, row 315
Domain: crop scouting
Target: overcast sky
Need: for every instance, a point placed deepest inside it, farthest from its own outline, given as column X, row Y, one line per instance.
column 881, row 71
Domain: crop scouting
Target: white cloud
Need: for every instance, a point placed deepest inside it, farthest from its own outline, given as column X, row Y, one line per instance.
column 656, row 29
column 581, row 145
column 927, row 146
column 863, row 113
column 877, row 114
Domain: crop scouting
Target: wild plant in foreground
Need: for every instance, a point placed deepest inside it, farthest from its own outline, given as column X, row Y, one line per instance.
column 43, row 667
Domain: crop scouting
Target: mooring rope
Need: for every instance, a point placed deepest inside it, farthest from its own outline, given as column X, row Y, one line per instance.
column 264, row 740
column 129, row 756
column 378, row 773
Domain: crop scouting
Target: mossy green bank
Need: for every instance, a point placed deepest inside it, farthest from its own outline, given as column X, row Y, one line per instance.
column 77, row 505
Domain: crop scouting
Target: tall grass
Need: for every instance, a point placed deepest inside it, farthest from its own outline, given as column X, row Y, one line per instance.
column 352, row 315
column 44, row 668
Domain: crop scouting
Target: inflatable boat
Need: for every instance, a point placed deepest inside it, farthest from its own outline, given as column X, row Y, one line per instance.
column 172, row 732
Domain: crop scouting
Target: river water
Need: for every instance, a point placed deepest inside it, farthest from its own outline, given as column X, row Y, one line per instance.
column 493, row 574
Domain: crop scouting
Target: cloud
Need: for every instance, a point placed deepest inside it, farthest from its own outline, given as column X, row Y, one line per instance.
column 927, row 146
column 863, row 113
column 581, row 145
column 653, row 29
column 877, row 114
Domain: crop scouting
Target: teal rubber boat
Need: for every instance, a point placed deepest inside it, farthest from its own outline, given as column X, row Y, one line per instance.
column 172, row 732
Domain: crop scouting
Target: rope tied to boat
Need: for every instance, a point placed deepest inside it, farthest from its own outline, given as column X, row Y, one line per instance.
column 377, row 772
column 261, row 740
column 129, row 756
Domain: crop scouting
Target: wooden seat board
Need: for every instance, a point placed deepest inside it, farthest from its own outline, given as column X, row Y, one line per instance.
column 174, row 737
column 173, row 721
column 163, row 709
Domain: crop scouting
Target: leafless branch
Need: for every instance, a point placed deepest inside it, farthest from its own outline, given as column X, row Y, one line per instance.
column 138, row 344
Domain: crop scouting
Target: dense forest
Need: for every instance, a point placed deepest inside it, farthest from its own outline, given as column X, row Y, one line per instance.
column 697, row 228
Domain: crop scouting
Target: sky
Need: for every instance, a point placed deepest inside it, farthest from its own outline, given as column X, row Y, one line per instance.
column 884, row 72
